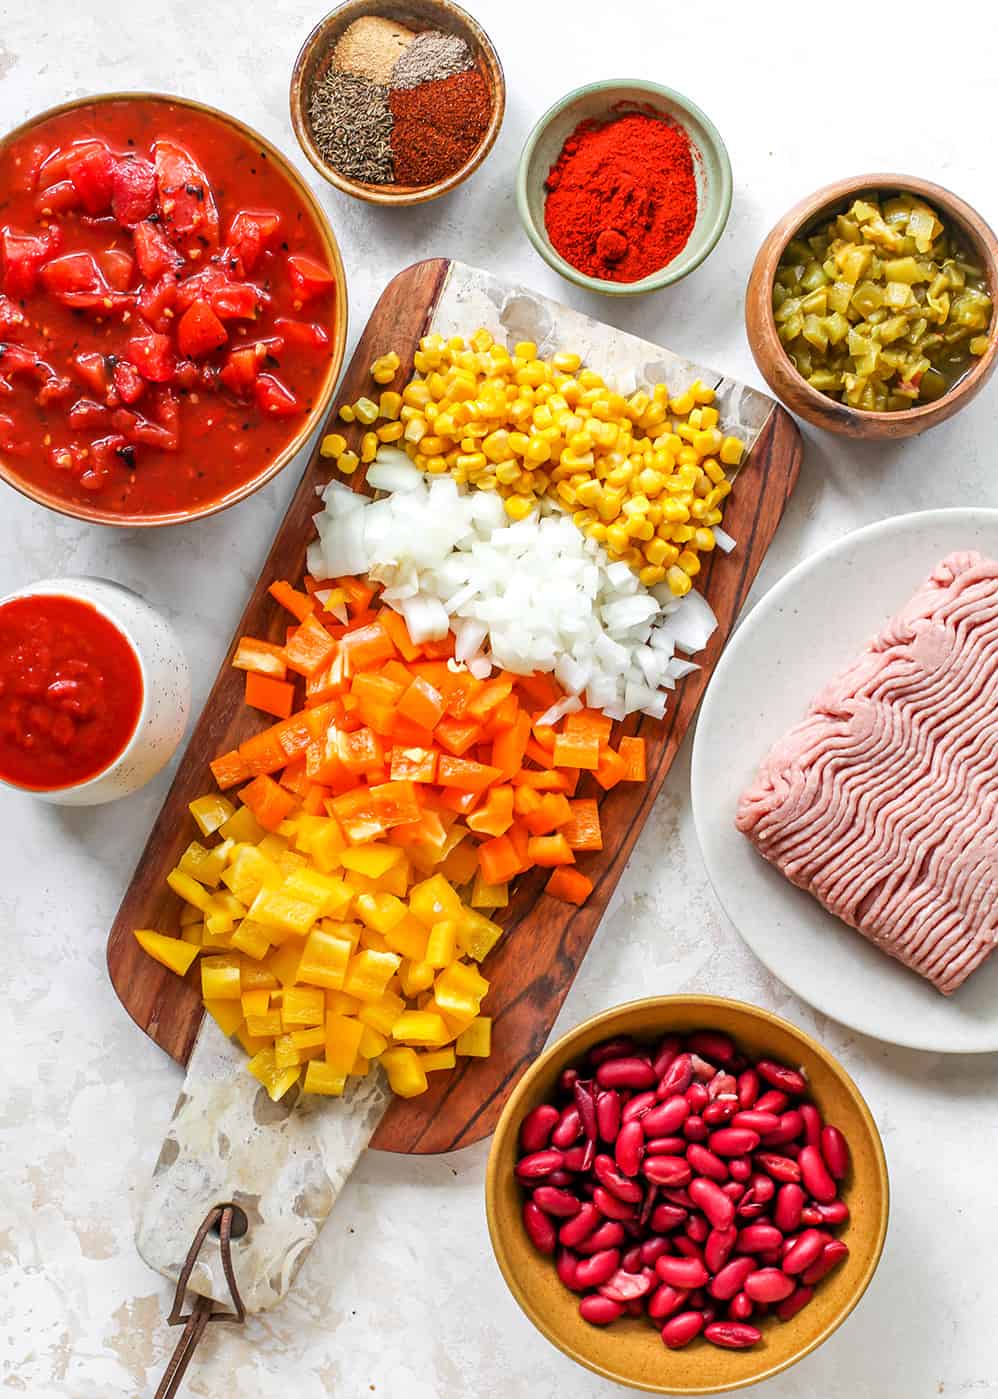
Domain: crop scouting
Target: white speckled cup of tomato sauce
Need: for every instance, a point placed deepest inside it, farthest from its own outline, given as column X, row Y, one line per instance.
column 94, row 691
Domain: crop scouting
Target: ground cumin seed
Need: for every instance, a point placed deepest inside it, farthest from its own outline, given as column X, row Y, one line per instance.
column 352, row 126
column 371, row 47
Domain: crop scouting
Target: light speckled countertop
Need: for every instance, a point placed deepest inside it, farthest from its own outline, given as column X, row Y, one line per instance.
column 401, row 1298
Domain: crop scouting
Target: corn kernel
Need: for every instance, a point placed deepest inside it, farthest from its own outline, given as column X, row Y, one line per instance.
column 678, row 581
column 518, row 507
column 391, row 432
column 332, row 445
column 704, row 540
column 346, row 412
column 731, row 451
column 348, row 463
column 688, row 562
column 365, row 411
column 651, row 575
column 368, row 446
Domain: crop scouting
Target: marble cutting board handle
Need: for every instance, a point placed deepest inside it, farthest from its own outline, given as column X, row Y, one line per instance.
column 282, row 1163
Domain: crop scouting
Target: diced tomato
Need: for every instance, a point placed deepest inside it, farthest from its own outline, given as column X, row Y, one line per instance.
column 236, row 301
column 91, row 368
column 239, row 373
column 185, row 376
column 168, row 415
column 55, row 166
column 105, row 454
column 128, row 382
column 24, row 255
column 69, row 458
column 87, row 413
column 53, row 390
column 154, row 253
column 57, row 199
column 252, row 233
column 76, row 280
column 308, row 277
column 303, row 335
column 117, row 266
column 9, row 440
column 186, row 203
column 15, row 359
column 142, row 431
column 152, row 354
column 13, row 321
column 275, row 398
column 133, row 190
column 28, row 163
column 92, row 172
column 200, row 331
column 156, row 299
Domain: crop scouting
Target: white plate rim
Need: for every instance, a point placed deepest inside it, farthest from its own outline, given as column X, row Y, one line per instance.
column 742, row 636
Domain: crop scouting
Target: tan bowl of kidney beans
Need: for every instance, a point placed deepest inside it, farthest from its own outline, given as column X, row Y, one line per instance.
column 687, row 1194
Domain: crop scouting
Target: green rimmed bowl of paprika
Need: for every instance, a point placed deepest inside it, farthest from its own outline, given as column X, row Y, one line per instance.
column 624, row 187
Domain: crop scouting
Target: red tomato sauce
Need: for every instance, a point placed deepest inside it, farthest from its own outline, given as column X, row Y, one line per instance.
column 70, row 692
column 165, row 307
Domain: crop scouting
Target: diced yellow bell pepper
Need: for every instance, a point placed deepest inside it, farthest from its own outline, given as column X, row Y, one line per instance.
column 320, row 1078
column 438, row 1059
column 459, row 987
column 332, row 896
column 285, row 960
column 372, row 1044
column 206, row 866
column 343, row 1036
column 303, row 1044
column 339, row 929
column 190, row 914
column 286, row 1054
column 476, row 934
column 174, row 953
column 284, row 912
column 265, row 1027
column 190, row 891
column 273, row 846
column 242, row 826
column 228, row 1015
column 251, row 1043
column 435, row 899
column 341, row 1004
column 369, row 973
column 324, row 961
column 373, row 941
column 420, row 1027
column 210, row 812
column 192, row 933
column 408, row 938
column 461, row 863
column 216, row 941
column 405, row 1072
column 361, row 1067
column 380, row 912
column 250, row 871
column 321, row 837
column 220, row 979
column 476, row 1040
column 382, row 1014
column 441, row 945
column 219, row 922
column 263, row 1066
column 256, row 976
column 255, row 1002
column 488, row 895
column 252, row 938
column 302, row 1006
column 416, row 977
column 372, row 860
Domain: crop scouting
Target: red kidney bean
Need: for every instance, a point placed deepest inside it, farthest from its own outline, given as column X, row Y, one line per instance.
column 576, row 1158
column 695, row 1129
column 708, row 1196
column 720, row 1111
column 686, row 1248
column 599, row 1311
column 666, row 1052
column 816, row 1179
column 540, row 1229
column 536, row 1128
column 772, row 1101
column 733, row 1141
column 568, row 1130
column 723, row 1085
column 731, row 1278
column 559, row 1178
column 748, row 1088
column 608, row 1204
column 652, row 1249
column 566, row 1263
column 629, row 1147
column 665, row 1300
column 806, row 1249
column 665, row 1218
column 835, row 1152
column 595, row 1270
column 677, row 1077
column 702, row 1070
column 835, row 1212
column 832, row 1254
column 781, row 1168
column 741, row 1307
column 681, row 1272
column 625, row 1286
column 740, row 1168
column 719, row 1247
column 620, row 1048
column 732, row 1335
column 756, row 1121
column 769, row 1285
column 780, row 1076
column 625, row 1073
column 697, row 1229
column 749, row 1207
column 698, row 1299
column 763, row 1188
column 580, row 1226
column 797, row 1300
column 637, row 1106
column 666, row 1170
column 812, row 1123
column 668, row 1117
column 679, row 1330
column 790, row 1127
column 647, row 1205
column 789, row 1204
column 631, row 1261
column 756, row 1238
column 665, row 1146
column 770, row 1257
column 697, row 1097
column 734, row 1189
column 608, row 1114
column 608, row 1235
column 567, row 1080
column 678, row 1197
column 705, row 1163
column 539, row 1164
column 561, row 1203
column 712, row 1044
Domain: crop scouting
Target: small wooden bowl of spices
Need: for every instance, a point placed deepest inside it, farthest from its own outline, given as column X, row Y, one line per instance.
column 400, row 103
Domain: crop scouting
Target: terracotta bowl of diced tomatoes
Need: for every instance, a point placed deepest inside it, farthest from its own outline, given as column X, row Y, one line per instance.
column 172, row 310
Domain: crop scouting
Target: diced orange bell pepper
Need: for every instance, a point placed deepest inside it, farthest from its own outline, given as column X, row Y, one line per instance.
column 582, row 829
column 359, row 594
column 366, row 648
column 396, row 628
column 263, row 752
column 467, row 775
column 457, row 735
column 230, row 769
column 311, row 648
column 545, row 780
column 590, row 721
column 495, row 816
column 544, row 735
column 576, row 751
column 498, row 860
column 610, row 769
column 550, row 850
column 298, row 604
column 571, row 885
column 540, row 689
column 510, row 746
column 268, row 801
column 492, row 693
column 422, row 703
column 414, row 764
column 453, row 799
column 551, row 812
column 275, row 697
column 632, row 751
column 260, row 657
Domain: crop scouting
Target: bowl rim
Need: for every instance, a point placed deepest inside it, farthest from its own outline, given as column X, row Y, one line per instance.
column 564, row 1046
column 811, row 207
column 398, row 196
column 93, row 514
column 670, row 273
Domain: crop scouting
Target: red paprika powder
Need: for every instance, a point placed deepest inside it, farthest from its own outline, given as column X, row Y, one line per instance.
column 437, row 126
column 622, row 196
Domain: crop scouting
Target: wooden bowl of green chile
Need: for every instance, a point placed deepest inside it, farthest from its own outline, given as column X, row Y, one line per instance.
column 870, row 306
column 397, row 103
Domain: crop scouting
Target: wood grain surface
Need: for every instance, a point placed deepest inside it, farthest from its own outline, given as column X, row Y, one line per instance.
column 534, row 963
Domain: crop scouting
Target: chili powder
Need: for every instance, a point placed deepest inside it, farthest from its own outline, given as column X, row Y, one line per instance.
column 438, row 126
column 622, row 196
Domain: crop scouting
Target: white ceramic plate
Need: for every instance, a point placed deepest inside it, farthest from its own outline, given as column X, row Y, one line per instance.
column 802, row 632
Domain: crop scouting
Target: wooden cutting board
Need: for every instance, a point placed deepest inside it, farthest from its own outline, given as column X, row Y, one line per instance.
column 535, row 962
